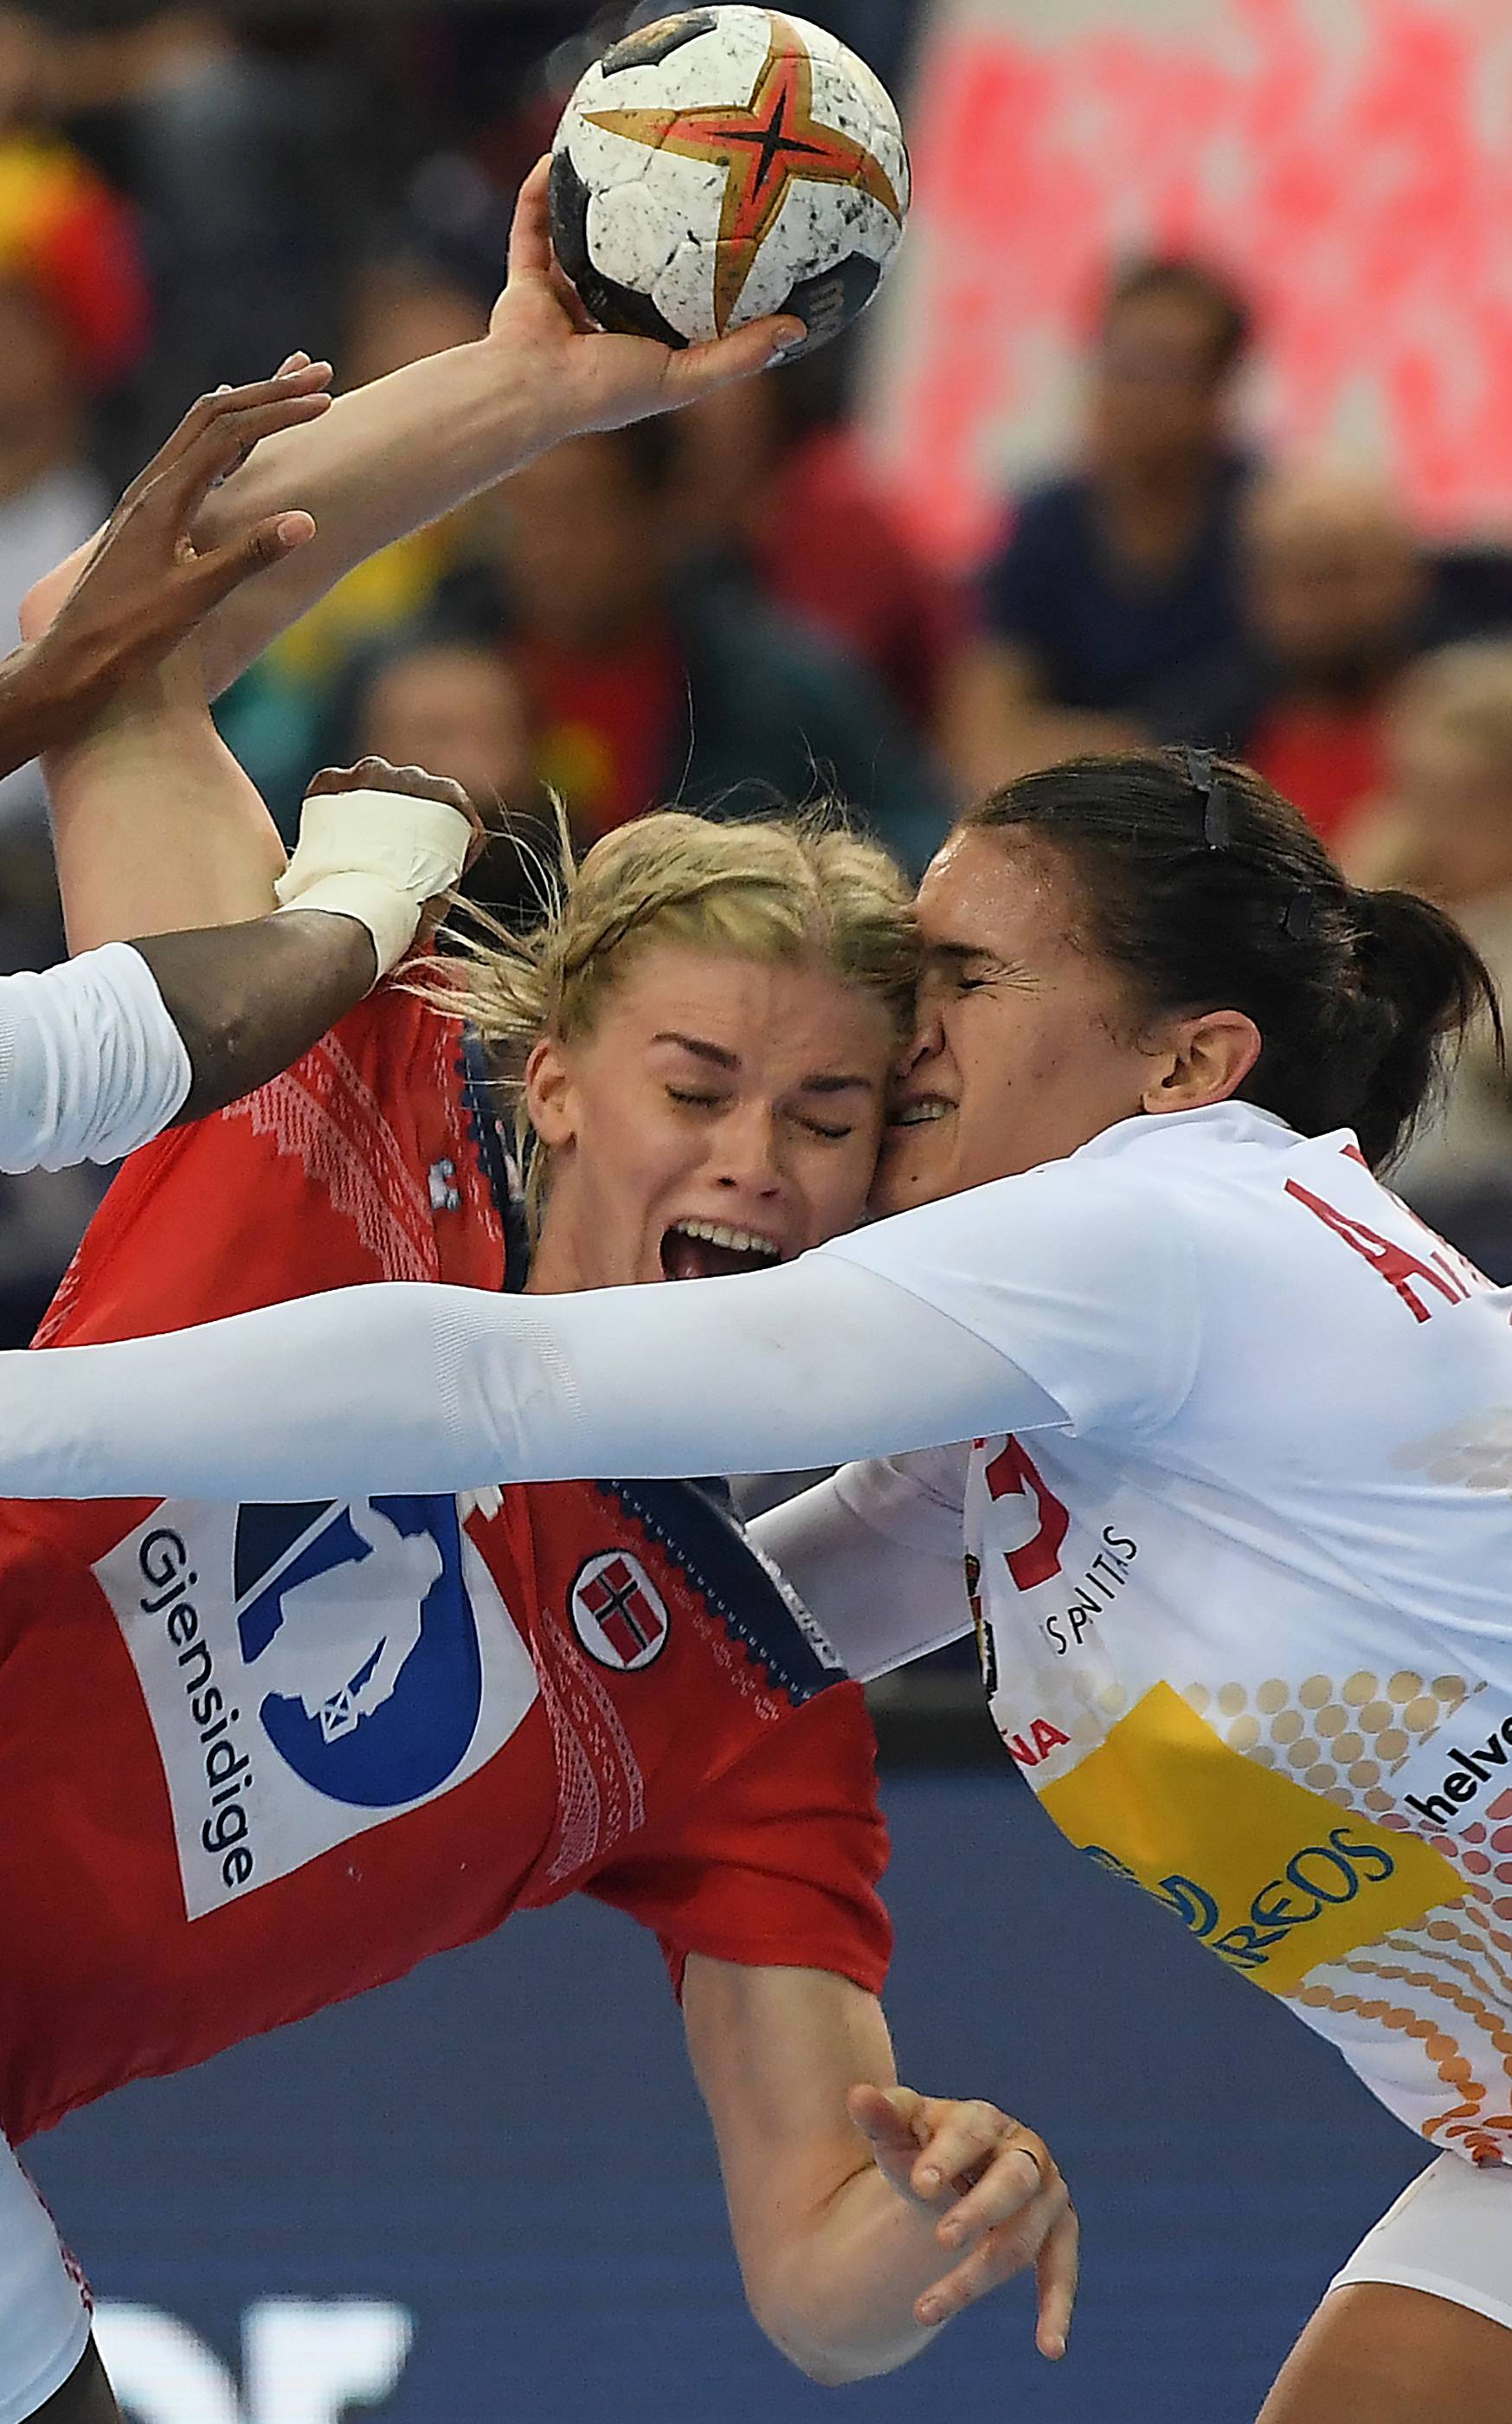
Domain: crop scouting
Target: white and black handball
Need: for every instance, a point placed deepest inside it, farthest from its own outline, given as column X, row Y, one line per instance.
column 723, row 165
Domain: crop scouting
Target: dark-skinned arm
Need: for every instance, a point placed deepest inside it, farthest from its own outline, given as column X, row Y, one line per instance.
column 250, row 999
column 143, row 586
column 98, row 1056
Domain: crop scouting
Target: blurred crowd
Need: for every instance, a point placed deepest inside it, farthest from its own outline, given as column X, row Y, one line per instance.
column 720, row 609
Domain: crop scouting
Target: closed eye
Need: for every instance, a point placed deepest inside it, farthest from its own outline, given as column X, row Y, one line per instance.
column 964, row 967
column 690, row 1095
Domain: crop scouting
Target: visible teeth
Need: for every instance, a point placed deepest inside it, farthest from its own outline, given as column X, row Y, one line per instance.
column 914, row 1115
column 739, row 1241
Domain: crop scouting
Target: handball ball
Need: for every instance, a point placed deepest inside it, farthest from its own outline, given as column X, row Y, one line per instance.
column 722, row 165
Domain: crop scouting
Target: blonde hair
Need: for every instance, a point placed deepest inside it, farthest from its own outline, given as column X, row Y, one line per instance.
column 775, row 889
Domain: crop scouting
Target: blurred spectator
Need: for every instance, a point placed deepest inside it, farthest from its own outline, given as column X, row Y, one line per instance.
column 72, row 318
column 1442, row 825
column 772, row 481
column 1113, row 611
column 243, row 165
column 647, row 687
column 457, row 707
column 1340, row 594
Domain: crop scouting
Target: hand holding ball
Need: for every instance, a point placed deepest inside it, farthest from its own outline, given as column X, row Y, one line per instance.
column 721, row 165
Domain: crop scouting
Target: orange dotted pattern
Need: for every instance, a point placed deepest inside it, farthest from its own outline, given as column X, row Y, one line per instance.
column 1463, row 2120
column 1340, row 1739
column 1430, row 1942
column 1343, row 1738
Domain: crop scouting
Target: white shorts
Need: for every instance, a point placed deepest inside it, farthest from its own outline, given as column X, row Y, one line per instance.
column 45, row 2303
column 1449, row 2233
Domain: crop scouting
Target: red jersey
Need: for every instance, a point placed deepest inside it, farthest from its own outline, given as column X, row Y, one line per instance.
column 256, row 1759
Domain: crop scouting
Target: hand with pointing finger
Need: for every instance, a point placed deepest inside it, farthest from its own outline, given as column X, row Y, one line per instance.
column 1001, row 2202
column 116, row 610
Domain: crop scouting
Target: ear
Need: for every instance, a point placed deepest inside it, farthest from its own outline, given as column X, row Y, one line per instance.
column 1206, row 1059
column 548, row 1094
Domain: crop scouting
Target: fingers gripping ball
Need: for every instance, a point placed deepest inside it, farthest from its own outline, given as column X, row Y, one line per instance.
column 724, row 165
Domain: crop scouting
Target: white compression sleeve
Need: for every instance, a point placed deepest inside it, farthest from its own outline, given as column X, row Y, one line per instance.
column 875, row 1552
column 420, row 1388
column 91, row 1065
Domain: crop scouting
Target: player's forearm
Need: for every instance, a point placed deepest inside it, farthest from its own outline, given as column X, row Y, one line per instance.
column 156, row 829
column 250, row 1000
column 840, row 2298
column 385, row 460
column 44, row 698
column 100, row 1054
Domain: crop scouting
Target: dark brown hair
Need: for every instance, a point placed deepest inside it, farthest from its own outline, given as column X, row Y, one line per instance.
column 1208, row 891
column 1194, row 282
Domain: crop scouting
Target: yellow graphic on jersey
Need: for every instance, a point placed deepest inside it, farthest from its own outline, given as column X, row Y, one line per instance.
column 1275, row 1878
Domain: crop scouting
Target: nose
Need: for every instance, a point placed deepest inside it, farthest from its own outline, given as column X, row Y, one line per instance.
column 926, row 1039
column 748, row 1153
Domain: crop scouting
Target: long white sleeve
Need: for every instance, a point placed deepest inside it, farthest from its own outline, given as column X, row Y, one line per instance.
column 91, row 1065
column 423, row 1388
column 876, row 1553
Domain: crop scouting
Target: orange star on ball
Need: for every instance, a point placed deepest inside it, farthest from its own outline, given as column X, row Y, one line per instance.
column 765, row 149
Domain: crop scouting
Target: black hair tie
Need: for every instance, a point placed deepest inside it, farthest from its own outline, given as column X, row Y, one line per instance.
column 1217, row 805
column 1300, row 916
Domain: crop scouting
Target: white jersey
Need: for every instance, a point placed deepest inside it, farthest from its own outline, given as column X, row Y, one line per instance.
column 1246, row 1619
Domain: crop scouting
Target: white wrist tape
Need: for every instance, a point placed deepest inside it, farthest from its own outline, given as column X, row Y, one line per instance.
column 378, row 857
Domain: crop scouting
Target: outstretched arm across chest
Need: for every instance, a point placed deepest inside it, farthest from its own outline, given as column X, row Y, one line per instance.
column 427, row 1388
column 820, row 1361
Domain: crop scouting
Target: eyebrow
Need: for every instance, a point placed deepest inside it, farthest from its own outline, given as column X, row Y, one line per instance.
column 714, row 1053
column 717, row 1058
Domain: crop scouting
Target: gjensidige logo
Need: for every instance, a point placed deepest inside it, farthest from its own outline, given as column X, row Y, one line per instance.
column 310, row 1671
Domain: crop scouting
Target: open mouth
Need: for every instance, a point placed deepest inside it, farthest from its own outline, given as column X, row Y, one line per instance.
column 711, row 1250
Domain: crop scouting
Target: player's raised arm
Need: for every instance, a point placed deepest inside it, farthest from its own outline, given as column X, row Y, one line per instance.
column 398, row 454
column 408, row 447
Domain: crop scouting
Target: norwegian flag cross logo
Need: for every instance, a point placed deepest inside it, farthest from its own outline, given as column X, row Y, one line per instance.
column 617, row 1612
